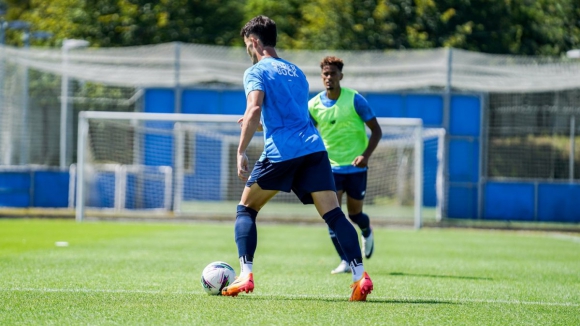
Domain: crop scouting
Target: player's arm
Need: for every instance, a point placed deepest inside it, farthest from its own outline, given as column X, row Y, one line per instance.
column 260, row 127
column 250, row 123
column 366, row 113
column 313, row 121
column 362, row 160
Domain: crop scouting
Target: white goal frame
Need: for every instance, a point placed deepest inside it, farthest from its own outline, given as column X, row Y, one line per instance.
column 83, row 129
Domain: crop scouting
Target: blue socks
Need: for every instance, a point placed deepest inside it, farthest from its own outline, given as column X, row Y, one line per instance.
column 246, row 234
column 362, row 220
column 336, row 245
column 345, row 235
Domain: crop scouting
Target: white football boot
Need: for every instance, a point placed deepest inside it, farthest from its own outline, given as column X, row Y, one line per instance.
column 368, row 245
column 343, row 267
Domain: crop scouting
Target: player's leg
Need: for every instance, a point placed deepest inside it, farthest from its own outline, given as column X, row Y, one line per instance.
column 348, row 239
column 355, row 188
column 327, row 206
column 343, row 266
column 265, row 181
column 314, row 183
column 246, row 235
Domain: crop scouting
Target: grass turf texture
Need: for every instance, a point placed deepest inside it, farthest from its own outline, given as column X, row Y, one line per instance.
column 118, row 273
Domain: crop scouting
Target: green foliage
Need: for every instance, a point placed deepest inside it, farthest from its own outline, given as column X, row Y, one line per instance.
column 124, row 23
column 531, row 27
column 286, row 14
column 110, row 23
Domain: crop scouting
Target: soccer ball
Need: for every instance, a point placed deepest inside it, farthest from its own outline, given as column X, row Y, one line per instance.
column 217, row 276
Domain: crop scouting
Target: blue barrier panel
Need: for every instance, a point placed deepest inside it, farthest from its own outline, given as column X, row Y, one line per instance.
column 509, row 201
column 462, row 201
column 427, row 107
column 101, row 190
column 430, row 172
column 387, row 105
column 200, row 101
column 14, row 199
column 204, row 183
column 132, row 198
column 558, row 202
column 463, row 160
column 154, row 194
column 14, row 180
column 465, row 118
column 158, row 147
column 15, row 189
column 159, row 100
column 233, row 102
column 50, row 189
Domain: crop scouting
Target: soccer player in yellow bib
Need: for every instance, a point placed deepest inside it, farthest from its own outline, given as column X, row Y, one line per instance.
column 340, row 115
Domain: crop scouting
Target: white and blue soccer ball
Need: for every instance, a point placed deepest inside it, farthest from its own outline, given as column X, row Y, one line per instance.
column 216, row 276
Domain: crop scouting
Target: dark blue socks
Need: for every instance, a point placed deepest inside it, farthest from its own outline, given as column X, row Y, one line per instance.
column 337, row 245
column 362, row 220
column 246, row 234
column 345, row 234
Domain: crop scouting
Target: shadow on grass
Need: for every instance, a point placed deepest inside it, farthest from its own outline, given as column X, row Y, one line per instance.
column 370, row 300
column 442, row 276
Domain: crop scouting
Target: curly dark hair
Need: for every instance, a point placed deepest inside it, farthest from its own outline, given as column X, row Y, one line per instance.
column 263, row 28
column 332, row 61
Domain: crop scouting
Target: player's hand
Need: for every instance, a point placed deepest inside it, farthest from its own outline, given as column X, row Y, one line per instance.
column 243, row 166
column 360, row 161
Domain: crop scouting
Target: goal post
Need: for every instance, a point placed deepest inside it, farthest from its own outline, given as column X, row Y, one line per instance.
column 184, row 165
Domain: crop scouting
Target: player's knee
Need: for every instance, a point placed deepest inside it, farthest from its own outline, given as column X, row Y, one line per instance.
column 332, row 216
column 360, row 218
column 246, row 211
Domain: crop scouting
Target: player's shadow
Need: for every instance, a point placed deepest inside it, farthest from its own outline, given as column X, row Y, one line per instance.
column 442, row 276
column 343, row 299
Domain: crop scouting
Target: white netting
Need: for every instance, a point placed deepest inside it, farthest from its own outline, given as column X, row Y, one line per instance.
column 538, row 91
column 189, row 167
column 172, row 64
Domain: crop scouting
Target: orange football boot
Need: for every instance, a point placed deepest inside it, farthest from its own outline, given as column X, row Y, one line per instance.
column 361, row 288
column 241, row 284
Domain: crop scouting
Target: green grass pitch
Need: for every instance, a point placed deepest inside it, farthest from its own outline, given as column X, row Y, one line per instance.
column 114, row 273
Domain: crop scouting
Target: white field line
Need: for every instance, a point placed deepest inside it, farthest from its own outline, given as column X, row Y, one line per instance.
column 309, row 296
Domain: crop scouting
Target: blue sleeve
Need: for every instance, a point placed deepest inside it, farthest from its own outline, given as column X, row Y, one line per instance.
column 363, row 108
column 252, row 80
column 313, row 120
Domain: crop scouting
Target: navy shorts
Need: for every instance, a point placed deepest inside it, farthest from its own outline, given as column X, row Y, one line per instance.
column 303, row 175
column 354, row 184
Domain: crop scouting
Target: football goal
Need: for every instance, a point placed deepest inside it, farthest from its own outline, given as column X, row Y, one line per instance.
column 184, row 165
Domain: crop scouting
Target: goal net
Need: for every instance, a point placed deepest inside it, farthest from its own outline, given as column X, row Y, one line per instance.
column 184, row 165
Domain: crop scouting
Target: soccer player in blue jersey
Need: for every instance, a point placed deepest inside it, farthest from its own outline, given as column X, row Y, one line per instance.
column 294, row 156
column 341, row 114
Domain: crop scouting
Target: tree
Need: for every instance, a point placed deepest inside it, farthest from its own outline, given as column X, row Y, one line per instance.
column 111, row 23
column 531, row 27
column 286, row 13
column 123, row 23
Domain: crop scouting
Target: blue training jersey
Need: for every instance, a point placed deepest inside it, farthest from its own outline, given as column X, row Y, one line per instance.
column 364, row 110
column 288, row 129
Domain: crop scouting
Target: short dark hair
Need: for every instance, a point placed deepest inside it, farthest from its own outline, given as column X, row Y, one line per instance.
column 332, row 61
column 263, row 28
